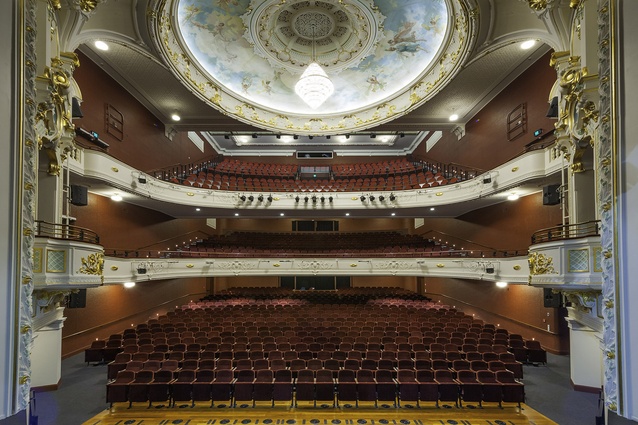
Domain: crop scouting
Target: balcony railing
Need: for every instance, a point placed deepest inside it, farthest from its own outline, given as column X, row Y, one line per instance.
column 65, row 231
column 120, row 253
column 567, row 231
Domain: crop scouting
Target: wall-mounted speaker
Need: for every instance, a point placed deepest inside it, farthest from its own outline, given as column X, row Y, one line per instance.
column 551, row 196
column 79, row 195
column 76, row 111
column 141, row 270
column 77, row 299
column 550, row 299
column 487, row 180
column 552, row 112
column 489, row 270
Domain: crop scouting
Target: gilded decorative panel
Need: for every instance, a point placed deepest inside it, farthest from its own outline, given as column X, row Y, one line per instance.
column 37, row 260
column 598, row 251
column 56, row 261
column 578, row 260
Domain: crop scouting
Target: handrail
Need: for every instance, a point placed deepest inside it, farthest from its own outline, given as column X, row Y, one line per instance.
column 65, row 231
column 163, row 241
column 279, row 254
column 567, row 231
column 487, row 248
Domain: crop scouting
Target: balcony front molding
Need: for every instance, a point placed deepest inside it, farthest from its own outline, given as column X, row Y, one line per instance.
column 119, row 270
column 567, row 265
column 535, row 165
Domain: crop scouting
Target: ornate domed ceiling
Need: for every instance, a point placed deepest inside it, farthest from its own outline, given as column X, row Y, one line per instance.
column 384, row 57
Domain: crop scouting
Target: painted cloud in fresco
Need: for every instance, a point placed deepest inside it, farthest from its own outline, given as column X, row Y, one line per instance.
column 414, row 30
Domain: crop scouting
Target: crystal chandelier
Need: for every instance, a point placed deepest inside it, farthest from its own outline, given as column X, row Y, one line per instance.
column 314, row 86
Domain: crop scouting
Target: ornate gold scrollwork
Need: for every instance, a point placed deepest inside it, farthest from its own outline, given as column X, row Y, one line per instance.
column 93, row 264
column 540, row 264
column 537, row 5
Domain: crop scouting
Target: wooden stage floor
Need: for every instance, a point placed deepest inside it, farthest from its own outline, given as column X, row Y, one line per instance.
column 426, row 414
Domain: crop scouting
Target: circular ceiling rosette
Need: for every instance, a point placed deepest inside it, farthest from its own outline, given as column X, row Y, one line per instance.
column 244, row 57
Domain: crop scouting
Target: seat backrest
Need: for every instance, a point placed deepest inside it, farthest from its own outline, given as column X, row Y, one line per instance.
column 224, row 375
column 323, row 375
column 306, row 375
column 405, row 375
column 246, row 375
column 383, row 375
column 205, row 375
column 185, row 375
column 283, row 375
column 505, row 376
column 425, row 375
column 346, row 375
column 264, row 375
column 466, row 376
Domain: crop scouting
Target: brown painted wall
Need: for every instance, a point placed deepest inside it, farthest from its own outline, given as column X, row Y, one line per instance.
column 144, row 145
column 517, row 308
column 508, row 225
column 112, row 308
column 405, row 282
column 485, row 144
column 121, row 225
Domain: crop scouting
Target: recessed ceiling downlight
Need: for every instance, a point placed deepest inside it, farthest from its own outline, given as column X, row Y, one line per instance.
column 116, row 197
column 129, row 284
column 525, row 45
column 99, row 44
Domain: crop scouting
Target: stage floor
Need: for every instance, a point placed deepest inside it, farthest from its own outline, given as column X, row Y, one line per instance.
column 408, row 414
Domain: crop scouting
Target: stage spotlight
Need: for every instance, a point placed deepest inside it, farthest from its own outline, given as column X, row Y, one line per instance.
column 251, row 198
column 363, row 198
column 347, row 136
column 243, row 198
column 314, row 199
column 297, row 199
column 310, row 137
column 226, row 136
column 392, row 197
column 295, row 137
column 323, row 199
column 278, row 136
column 381, row 198
column 371, row 198
column 269, row 198
column 254, row 135
column 328, row 137
column 330, row 198
column 305, row 199
column 373, row 135
column 260, row 198
column 401, row 134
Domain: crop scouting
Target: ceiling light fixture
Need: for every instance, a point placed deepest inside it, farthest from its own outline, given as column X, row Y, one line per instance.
column 501, row 284
column 525, row 45
column 175, row 117
column 129, row 284
column 512, row 197
column 454, row 117
column 101, row 45
column 314, row 86
column 116, row 197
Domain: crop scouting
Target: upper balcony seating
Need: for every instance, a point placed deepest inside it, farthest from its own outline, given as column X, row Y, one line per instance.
column 399, row 174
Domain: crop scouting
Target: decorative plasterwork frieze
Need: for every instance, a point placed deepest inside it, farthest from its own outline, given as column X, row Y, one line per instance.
column 26, row 204
column 606, row 187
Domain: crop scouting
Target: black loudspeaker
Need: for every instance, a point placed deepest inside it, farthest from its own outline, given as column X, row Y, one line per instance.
column 77, row 299
column 141, row 270
column 551, row 196
column 76, row 112
column 552, row 112
column 79, row 195
column 489, row 270
column 550, row 299
column 487, row 180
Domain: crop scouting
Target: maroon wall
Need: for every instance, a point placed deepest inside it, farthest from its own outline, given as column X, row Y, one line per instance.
column 112, row 308
column 517, row 308
column 485, row 144
column 121, row 225
column 144, row 146
column 508, row 225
